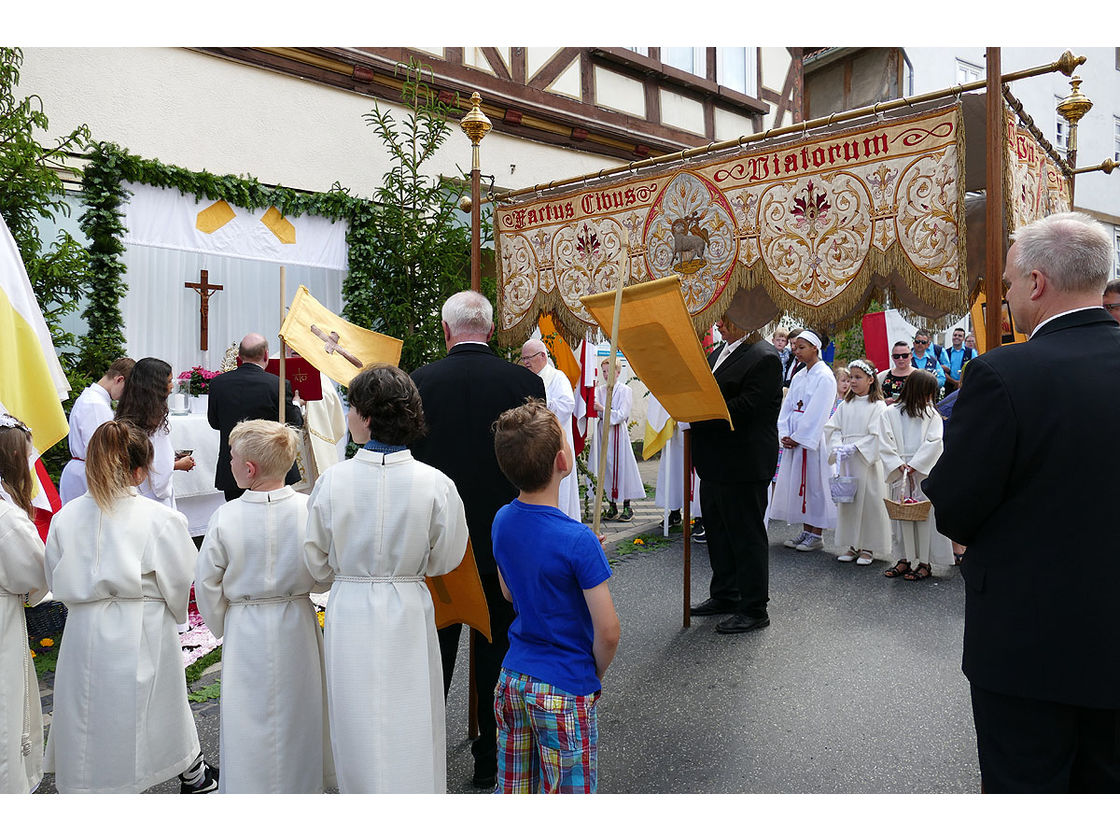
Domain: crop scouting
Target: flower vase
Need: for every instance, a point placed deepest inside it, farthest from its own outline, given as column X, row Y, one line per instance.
column 199, row 403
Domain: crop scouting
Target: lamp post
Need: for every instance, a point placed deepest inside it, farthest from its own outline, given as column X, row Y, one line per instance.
column 476, row 126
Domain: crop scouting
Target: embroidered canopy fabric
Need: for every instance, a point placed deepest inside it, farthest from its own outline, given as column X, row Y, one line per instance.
column 1034, row 186
column 804, row 223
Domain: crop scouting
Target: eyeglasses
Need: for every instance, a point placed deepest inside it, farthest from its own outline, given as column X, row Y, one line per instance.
column 1112, row 307
column 900, row 355
column 531, row 356
column 920, row 341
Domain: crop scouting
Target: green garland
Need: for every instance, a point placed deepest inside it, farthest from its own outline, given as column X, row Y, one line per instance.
column 108, row 169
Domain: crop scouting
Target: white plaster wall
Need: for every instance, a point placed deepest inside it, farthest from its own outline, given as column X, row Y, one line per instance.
column 202, row 112
column 619, row 93
column 682, row 112
column 730, row 125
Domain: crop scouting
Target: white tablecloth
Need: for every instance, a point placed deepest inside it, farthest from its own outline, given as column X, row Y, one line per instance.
column 195, row 494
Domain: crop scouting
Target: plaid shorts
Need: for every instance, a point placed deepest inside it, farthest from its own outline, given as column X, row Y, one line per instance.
column 548, row 739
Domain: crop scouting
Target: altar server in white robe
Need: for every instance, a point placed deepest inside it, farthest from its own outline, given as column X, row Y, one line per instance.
column 561, row 401
column 93, row 407
column 853, row 445
column 252, row 589
column 123, row 565
column 324, row 427
column 801, row 492
column 621, row 479
column 376, row 525
column 21, row 576
column 910, row 442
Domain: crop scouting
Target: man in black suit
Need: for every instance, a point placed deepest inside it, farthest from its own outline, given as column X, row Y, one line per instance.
column 1028, row 482
column 735, row 469
column 463, row 394
column 247, row 393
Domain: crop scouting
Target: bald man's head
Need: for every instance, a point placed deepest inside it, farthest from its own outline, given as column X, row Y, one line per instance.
column 534, row 355
column 254, row 348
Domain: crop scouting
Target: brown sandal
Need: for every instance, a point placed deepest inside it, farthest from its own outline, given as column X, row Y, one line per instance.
column 899, row 569
column 923, row 572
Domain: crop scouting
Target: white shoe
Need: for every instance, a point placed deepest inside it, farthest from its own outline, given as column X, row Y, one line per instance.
column 796, row 541
column 864, row 560
column 848, row 556
column 811, row 543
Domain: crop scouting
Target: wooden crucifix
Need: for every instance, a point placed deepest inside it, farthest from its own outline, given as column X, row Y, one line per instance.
column 204, row 290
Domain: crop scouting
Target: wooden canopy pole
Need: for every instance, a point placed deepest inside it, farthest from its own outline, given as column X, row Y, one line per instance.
column 686, row 516
column 993, row 270
column 283, row 313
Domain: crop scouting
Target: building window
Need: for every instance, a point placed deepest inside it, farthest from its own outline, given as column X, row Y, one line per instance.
column 907, row 76
column 737, row 68
column 689, row 59
column 967, row 72
column 639, row 50
column 1116, row 139
column 1116, row 249
column 1061, row 131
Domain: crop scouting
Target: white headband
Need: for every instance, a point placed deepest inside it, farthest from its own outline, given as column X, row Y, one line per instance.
column 7, row 421
column 864, row 366
column 811, row 337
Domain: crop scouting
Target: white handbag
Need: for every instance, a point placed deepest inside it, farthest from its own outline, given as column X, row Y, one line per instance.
column 844, row 486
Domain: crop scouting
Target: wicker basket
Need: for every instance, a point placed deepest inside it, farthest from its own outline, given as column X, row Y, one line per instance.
column 46, row 619
column 907, row 511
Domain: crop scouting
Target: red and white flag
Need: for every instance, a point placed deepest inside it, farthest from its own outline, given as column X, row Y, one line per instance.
column 585, row 396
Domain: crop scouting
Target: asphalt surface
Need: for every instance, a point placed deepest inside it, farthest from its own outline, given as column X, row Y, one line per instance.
column 855, row 687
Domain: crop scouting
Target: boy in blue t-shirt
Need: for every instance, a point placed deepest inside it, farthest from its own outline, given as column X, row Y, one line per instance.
column 566, row 631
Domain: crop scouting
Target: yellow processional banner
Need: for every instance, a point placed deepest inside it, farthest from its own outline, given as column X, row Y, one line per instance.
column 335, row 346
column 809, row 221
column 1035, row 185
column 655, row 333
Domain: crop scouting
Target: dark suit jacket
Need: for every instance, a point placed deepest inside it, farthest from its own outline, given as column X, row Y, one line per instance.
column 750, row 380
column 463, row 394
column 1028, row 481
column 246, row 393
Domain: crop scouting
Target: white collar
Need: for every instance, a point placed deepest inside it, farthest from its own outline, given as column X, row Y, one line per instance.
column 101, row 392
column 1059, row 315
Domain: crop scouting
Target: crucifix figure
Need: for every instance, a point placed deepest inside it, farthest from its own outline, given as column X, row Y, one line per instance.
column 330, row 344
column 204, row 290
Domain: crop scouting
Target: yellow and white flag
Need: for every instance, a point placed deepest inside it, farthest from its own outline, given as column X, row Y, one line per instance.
column 32, row 384
column 335, row 346
column 659, row 428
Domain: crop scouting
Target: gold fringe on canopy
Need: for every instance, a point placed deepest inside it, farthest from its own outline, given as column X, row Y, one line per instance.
column 1034, row 185
column 815, row 224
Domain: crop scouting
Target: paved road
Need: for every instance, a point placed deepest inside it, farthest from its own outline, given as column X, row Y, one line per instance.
column 854, row 688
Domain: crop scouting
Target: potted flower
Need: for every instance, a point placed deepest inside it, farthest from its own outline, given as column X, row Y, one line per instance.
column 197, row 383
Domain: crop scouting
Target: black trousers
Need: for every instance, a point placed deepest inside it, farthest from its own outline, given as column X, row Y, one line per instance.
column 738, row 547
column 1038, row 746
column 487, row 665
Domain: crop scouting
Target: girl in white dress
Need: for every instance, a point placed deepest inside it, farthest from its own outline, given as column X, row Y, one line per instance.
column 853, row 443
column 123, row 565
column 910, row 442
column 21, row 577
column 252, row 589
column 143, row 403
column 376, row 525
column 801, row 491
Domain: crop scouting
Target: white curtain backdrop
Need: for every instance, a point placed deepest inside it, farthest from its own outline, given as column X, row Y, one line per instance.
column 161, row 315
column 164, row 250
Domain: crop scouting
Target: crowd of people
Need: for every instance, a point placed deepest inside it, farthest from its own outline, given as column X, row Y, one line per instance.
column 466, row 451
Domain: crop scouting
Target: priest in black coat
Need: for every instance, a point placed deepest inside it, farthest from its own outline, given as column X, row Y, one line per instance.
column 248, row 392
column 463, row 394
column 1028, row 481
column 736, row 467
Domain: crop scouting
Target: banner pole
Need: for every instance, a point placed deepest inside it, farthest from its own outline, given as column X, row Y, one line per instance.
column 283, row 302
column 612, row 375
column 686, row 521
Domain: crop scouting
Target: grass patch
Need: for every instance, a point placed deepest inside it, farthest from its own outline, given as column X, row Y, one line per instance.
column 207, row 692
column 195, row 669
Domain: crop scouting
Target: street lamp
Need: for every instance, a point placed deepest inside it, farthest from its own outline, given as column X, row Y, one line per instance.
column 476, row 126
